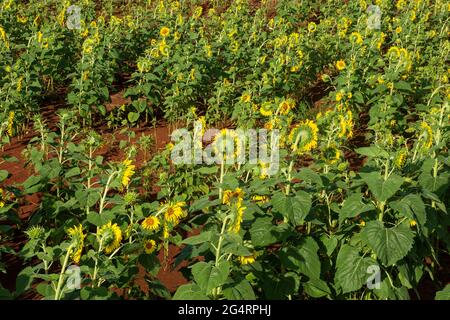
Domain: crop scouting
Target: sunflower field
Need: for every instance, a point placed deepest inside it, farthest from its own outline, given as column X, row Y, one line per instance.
column 98, row 99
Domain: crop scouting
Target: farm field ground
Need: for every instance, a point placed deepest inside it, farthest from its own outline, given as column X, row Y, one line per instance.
column 224, row 150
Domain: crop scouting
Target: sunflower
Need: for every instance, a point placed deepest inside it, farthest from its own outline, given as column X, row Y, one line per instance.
column 149, row 246
column 246, row 97
column 238, row 209
column 260, row 199
column 164, row 32
column 10, row 123
column 110, row 236
column 264, row 169
column 427, row 134
column 340, row 65
column 2, row 203
column 230, row 196
column 174, row 212
column 346, row 125
column 226, row 141
column 151, row 223
column 248, row 259
column 77, row 236
column 356, row 37
column 265, row 109
column 303, row 137
column 286, row 106
column 400, row 160
column 312, row 27
column 128, row 172
column 332, row 154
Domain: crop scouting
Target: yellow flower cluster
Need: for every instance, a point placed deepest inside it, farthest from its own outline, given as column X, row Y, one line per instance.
column 234, row 199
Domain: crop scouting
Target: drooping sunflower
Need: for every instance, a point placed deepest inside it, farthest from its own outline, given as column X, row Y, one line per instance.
column 340, row 65
column 77, row 236
column 303, row 137
column 230, row 196
column 265, row 109
column 149, row 246
column 151, row 223
column 127, row 172
column 426, row 133
column 356, row 37
column 331, row 154
column 248, row 259
column 238, row 210
column 110, row 236
column 400, row 159
column 10, row 123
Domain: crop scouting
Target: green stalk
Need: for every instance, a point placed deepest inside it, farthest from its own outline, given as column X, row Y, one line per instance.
column 61, row 274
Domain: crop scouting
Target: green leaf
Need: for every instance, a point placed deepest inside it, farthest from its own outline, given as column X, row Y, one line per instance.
column 402, row 85
column 351, row 269
column 390, row 244
column 309, row 176
column 204, row 236
column 279, row 287
column 372, row 152
column 3, row 175
column 354, row 206
column 73, row 172
column 303, row 258
column 411, row 207
column 317, row 288
column 295, row 208
column 95, row 219
column 380, row 188
column 208, row 276
column 23, row 280
column 443, row 294
column 189, row 292
column 262, row 232
column 241, row 290
column 133, row 117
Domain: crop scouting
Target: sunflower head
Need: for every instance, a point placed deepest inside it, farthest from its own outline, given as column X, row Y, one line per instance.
column 151, row 223
column 110, row 236
column 127, row 172
column 77, row 237
column 149, row 246
column 164, row 32
column 340, row 65
column 303, row 137
column 232, row 196
column 174, row 212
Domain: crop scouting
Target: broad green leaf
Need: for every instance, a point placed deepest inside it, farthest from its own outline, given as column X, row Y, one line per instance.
column 443, row 294
column 262, row 232
column 353, row 206
column 279, row 286
column 208, row 276
column 189, row 291
column 351, row 269
column 372, row 152
column 389, row 244
column 3, row 175
column 303, row 258
column 201, row 238
column 317, row 288
column 241, row 290
column 295, row 207
column 380, row 188
column 411, row 207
